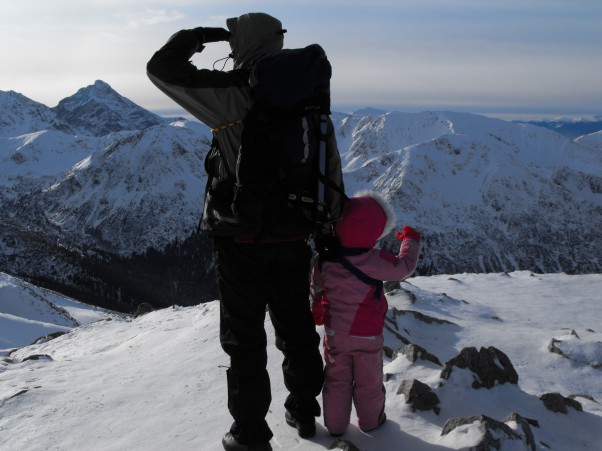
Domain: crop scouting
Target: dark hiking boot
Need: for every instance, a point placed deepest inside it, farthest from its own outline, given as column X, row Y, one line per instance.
column 306, row 429
column 231, row 444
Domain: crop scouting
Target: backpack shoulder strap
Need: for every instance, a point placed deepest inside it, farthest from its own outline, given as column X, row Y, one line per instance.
column 357, row 272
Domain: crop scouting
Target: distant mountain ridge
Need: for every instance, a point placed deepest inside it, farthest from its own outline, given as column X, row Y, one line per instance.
column 102, row 197
column 571, row 128
column 22, row 115
column 95, row 110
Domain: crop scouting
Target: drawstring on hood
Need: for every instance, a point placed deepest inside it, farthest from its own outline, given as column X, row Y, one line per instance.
column 254, row 35
column 224, row 59
column 366, row 218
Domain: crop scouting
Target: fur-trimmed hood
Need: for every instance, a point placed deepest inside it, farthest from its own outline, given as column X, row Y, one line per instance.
column 366, row 218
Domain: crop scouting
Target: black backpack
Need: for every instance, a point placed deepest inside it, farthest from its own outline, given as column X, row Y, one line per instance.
column 282, row 182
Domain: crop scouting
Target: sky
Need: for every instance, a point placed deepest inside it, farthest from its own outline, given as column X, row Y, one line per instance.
column 512, row 58
column 157, row 382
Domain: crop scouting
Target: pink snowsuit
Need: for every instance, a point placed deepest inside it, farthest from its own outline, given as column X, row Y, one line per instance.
column 354, row 312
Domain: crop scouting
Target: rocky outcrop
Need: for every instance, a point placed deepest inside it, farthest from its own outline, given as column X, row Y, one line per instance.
column 558, row 403
column 494, row 433
column 419, row 396
column 490, row 366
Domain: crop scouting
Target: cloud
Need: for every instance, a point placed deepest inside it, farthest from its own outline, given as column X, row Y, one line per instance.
column 149, row 17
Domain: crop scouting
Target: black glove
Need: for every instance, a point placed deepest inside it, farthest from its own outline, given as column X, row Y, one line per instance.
column 207, row 34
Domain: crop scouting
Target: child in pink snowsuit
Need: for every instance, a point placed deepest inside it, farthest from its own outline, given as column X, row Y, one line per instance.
column 347, row 294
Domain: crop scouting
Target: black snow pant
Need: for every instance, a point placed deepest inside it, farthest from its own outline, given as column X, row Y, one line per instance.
column 252, row 276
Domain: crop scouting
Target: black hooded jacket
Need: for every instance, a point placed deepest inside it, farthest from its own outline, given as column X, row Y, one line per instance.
column 221, row 100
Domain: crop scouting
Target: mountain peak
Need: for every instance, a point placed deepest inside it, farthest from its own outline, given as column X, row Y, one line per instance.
column 21, row 115
column 98, row 110
column 100, row 90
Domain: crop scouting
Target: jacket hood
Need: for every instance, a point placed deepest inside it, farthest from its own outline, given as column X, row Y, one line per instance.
column 366, row 218
column 254, row 35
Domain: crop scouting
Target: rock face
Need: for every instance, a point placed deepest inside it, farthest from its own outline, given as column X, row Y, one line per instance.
column 584, row 348
column 419, row 396
column 415, row 352
column 525, row 428
column 494, row 433
column 489, row 365
column 558, row 403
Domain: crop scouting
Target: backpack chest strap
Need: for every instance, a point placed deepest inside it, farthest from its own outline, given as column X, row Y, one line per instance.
column 359, row 273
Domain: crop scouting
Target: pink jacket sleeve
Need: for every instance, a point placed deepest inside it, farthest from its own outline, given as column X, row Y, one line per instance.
column 384, row 265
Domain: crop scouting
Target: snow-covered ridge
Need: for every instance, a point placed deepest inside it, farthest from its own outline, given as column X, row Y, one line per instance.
column 593, row 140
column 487, row 195
column 28, row 313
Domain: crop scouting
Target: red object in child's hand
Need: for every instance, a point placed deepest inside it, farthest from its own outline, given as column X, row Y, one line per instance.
column 317, row 310
column 408, row 232
column 318, row 313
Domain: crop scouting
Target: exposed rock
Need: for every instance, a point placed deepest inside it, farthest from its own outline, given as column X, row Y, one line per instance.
column 448, row 299
column 399, row 336
column 389, row 352
column 489, row 365
column 419, row 396
column 37, row 357
column 420, row 317
column 143, row 309
column 555, row 349
column 525, row 426
column 48, row 337
column 343, row 445
column 414, row 352
column 494, row 432
column 391, row 286
column 572, row 347
column 558, row 403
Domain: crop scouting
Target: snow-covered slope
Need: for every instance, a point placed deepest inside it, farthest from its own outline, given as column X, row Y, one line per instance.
column 143, row 190
column 157, row 382
column 28, row 312
column 593, row 140
column 488, row 195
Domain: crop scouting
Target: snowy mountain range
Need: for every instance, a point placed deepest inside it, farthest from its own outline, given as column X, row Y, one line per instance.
column 100, row 198
column 75, row 377
column 572, row 128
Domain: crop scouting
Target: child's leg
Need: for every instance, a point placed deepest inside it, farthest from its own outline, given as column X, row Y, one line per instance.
column 338, row 384
column 369, row 391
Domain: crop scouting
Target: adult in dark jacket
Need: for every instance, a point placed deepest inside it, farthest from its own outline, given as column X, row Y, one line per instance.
column 252, row 274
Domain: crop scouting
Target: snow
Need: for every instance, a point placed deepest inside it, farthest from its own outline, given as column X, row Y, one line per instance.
column 157, row 382
column 593, row 140
column 28, row 312
column 107, row 176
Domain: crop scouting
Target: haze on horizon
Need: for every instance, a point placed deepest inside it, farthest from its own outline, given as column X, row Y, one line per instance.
column 511, row 58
